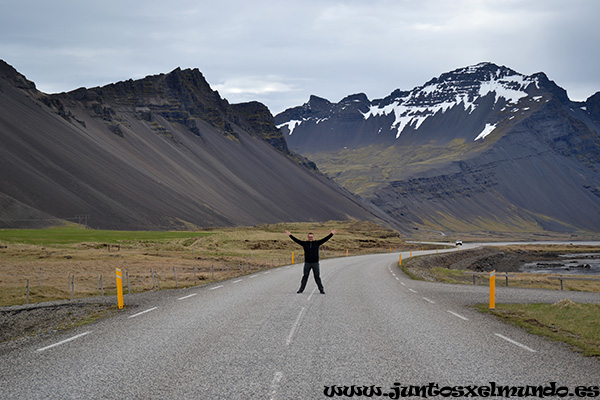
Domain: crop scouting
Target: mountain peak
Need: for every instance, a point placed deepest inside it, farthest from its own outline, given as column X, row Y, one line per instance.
column 10, row 74
column 316, row 103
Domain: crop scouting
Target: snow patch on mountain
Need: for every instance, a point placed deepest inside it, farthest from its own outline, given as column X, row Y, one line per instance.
column 511, row 88
column 291, row 125
column 489, row 128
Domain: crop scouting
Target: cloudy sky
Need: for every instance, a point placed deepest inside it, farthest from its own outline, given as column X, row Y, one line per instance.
column 279, row 52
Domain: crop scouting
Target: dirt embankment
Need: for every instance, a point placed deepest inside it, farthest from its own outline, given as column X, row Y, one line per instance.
column 486, row 259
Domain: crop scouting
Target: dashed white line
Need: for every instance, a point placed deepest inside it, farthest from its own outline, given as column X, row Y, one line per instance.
column 238, row 281
column 64, row 341
column 403, row 284
column 428, row 300
column 515, row 343
column 458, row 315
column 216, row 287
column 143, row 312
column 267, row 272
column 412, row 290
column 187, row 297
column 311, row 294
column 253, row 276
column 288, row 341
column 275, row 384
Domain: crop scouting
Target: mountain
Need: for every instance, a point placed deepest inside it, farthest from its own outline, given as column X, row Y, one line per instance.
column 163, row 152
column 480, row 148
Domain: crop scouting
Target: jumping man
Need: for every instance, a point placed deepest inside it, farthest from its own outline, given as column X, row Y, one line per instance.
column 311, row 257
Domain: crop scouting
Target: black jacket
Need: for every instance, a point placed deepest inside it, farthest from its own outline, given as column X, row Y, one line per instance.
column 311, row 249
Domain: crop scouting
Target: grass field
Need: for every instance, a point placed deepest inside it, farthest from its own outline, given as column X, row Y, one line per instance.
column 62, row 262
column 72, row 235
column 572, row 323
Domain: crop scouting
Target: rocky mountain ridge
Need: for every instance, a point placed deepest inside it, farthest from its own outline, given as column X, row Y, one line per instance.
column 162, row 152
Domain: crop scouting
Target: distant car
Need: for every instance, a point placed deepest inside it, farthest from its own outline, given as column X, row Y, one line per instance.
column 458, row 243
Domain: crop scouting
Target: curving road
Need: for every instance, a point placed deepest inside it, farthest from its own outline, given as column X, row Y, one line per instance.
column 255, row 338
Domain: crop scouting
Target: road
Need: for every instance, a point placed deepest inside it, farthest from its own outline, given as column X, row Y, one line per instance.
column 255, row 338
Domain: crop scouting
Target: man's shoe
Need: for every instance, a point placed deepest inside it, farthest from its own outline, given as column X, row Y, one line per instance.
column 322, row 292
column 299, row 292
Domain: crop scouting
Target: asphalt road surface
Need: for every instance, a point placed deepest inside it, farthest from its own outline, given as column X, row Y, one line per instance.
column 255, row 338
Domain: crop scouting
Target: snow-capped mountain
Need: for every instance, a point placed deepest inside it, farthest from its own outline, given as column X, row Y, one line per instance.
column 470, row 101
column 467, row 89
column 483, row 146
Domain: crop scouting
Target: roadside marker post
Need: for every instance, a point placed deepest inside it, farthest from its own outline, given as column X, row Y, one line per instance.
column 493, row 290
column 292, row 258
column 400, row 260
column 119, row 288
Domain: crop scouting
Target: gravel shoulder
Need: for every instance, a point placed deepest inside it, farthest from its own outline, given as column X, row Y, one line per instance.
column 22, row 324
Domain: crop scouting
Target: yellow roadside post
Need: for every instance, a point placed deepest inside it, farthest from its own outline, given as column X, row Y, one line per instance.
column 400, row 260
column 292, row 257
column 493, row 290
column 346, row 252
column 119, row 288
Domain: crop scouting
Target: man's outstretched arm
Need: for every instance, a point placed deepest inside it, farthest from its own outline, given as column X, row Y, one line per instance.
column 294, row 238
column 326, row 238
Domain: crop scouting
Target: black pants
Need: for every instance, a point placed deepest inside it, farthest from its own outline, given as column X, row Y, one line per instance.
column 316, row 273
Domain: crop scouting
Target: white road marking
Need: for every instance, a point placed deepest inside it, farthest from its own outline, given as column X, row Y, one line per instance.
column 187, row 297
column 143, row 312
column 311, row 294
column 403, row 284
column 428, row 300
column 216, row 287
column 267, row 272
column 239, row 280
column 458, row 315
column 288, row 341
column 64, row 341
column 413, row 290
column 253, row 276
column 275, row 384
column 515, row 343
